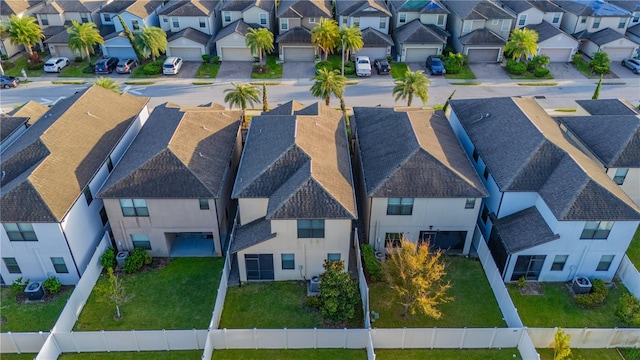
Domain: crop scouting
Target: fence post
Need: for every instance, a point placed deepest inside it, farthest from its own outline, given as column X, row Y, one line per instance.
column 493, row 337
column 464, row 334
column 286, row 339
column 75, row 342
column 315, row 338
column 404, row 331
column 344, row 345
column 166, row 339
column 433, row 337
column 104, row 339
column 13, row 341
column 613, row 335
column 135, row 339
column 224, row 337
column 255, row 338
column 195, row 336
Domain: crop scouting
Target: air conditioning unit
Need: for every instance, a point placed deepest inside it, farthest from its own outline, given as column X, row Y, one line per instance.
column 34, row 291
column 314, row 285
column 121, row 258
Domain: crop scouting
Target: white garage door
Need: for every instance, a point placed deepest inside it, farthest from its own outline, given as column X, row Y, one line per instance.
column 186, row 53
column 617, row 54
column 419, row 54
column 121, row 52
column 298, row 53
column 557, row 55
column 373, row 53
column 236, row 54
column 483, row 55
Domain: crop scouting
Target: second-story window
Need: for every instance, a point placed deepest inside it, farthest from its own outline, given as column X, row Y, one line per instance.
column 470, row 204
column 312, row 20
column 284, row 24
column 506, row 25
column 383, row 22
column 134, row 207
column 202, row 22
column 20, row 232
column 621, row 174
column 596, row 22
column 44, row 19
column 135, row 25
column 87, row 195
column 522, row 20
column 311, row 229
column 622, row 23
column 175, row 22
column 356, row 21
column 402, row 18
column 84, row 18
column 263, row 19
column 596, row 230
column 440, row 21
column 556, row 18
column 107, row 18
column 227, row 16
column 399, row 206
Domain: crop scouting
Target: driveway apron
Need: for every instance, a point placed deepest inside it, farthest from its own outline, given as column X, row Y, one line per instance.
column 233, row 70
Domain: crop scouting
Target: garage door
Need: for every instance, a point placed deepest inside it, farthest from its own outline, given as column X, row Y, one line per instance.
column 373, row 53
column 121, row 52
column 557, row 55
column 483, row 55
column 236, row 54
column 617, row 54
column 419, row 54
column 298, row 53
column 188, row 54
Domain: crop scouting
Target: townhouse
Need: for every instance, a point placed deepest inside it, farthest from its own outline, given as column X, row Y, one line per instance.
column 238, row 16
column 18, row 8
column 296, row 18
column 373, row 18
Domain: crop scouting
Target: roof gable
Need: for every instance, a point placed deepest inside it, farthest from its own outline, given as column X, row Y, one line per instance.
column 304, row 8
column 362, row 8
column 477, row 10
column 482, row 37
column 421, row 6
column 189, row 8
column 416, row 32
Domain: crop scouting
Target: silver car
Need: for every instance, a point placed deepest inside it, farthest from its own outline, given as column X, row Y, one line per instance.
column 633, row 64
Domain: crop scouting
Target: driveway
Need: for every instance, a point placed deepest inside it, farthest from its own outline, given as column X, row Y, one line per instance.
column 493, row 71
column 235, row 70
column 621, row 71
column 188, row 70
column 564, row 71
column 298, row 70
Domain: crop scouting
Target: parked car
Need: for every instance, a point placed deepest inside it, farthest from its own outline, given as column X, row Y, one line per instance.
column 56, row 64
column 382, row 66
column 10, row 78
column 363, row 66
column 126, row 66
column 6, row 83
column 633, row 64
column 105, row 66
column 172, row 65
column 435, row 66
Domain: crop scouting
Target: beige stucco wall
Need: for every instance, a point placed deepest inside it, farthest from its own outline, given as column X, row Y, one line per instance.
column 252, row 209
column 433, row 19
column 631, row 185
column 235, row 15
column 252, row 16
column 292, row 23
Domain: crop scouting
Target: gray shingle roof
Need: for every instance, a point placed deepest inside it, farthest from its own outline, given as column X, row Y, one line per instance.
column 191, row 34
column 523, row 230
column 250, row 234
column 525, row 150
column 421, row 6
column 61, row 37
column 47, row 167
column 9, row 124
column 304, row 8
column 591, row 8
column 301, row 163
column 517, row 6
column 362, row 8
column 608, row 107
column 614, row 139
column 15, row 7
column 601, row 37
column 298, row 34
column 239, row 27
column 189, row 8
column 139, row 8
column 630, row 5
column 482, row 37
column 546, row 6
column 243, row 5
column 634, row 30
column 477, row 10
column 412, row 153
column 416, row 32
column 546, row 31
column 179, row 153
column 374, row 38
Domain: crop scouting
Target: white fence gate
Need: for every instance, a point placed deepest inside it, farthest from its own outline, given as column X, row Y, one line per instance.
column 629, row 276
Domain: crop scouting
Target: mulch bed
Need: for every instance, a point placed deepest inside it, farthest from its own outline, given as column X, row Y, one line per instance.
column 21, row 297
column 532, row 288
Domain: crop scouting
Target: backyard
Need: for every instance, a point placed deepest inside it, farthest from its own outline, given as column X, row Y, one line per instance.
column 441, row 354
column 27, row 317
column 142, row 355
column 180, row 295
column 306, row 354
column 585, row 354
column 633, row 252
column 470, row 290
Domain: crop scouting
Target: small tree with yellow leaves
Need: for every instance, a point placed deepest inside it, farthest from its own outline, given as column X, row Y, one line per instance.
column 561, row 349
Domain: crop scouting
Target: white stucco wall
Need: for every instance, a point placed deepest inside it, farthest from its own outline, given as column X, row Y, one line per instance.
column 631, row 184
column 533, row 16
column 252, row 209
column 548, row 17
column 252, row 16
column 235, row 15
column 186, row 22
column 433, row 19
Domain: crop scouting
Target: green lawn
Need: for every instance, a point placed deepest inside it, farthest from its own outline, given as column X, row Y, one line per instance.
column 440, row 354
column 18, row 65
column 310, row 354
column 142, row 355
column 273, row 305
column 335, row 62
column 557, row 308
column 470, row 290
column 465, row 73
column 31, row 316
column 23, row 356
column 81, row 69
column 398, row 69
column 585, row 68
column 526, row 76
column 208, row 71
column 633, row 252
column 178, row 296
column 274, row 70
column 585, row 354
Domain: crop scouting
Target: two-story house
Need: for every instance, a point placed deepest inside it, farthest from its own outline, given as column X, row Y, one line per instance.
column 171, row 192
column 295, row 194
column 18, row 8
column 419, row 29
column 238, row 16
column 373, row 18
column 554, row 43
column 295, row 19
column 532, row 12
column 136, row 14
column 479, row 29
column 633, row 27
column 51, row 219
column 552, row 212
column 417, row 183
column 599, row 26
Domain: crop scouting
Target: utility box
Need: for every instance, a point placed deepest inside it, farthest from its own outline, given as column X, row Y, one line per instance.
column 121, row 257
column 34, row 291
column 581, row 285
column 314, row 285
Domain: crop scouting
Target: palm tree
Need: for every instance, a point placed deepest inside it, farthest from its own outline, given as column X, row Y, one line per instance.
column 351, row 37
column 522, row 43
column 151, row 40
column 413, row 83
column 329, row 82
column 265, row 101
column 83, row 37
column 259, row 41
column 326, row 35
column 25, row 31
column 241, row 95
column 109, row 84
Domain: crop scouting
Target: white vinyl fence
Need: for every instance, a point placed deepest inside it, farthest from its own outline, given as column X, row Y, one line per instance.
column 629, row 276
column 153, row 340
column 289, row 338
column 446, row 338
column 22, row 342
column 588, row 338
column 362, row 282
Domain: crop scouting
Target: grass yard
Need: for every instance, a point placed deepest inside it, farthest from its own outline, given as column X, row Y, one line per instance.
column 19, row 64
column 398, row 69
column 335, row 62
column 178, row 296
column 303, row 354
column 207, row 71
column 81, row 69
column 274, row 70
column 32, row 316
column 22, row 356
column 633, row 252
column 142, row 355
column 470, row 290
column 273, row 305
column 557, row 308
column 441, row 354
column 585, row 354
column 465, row 73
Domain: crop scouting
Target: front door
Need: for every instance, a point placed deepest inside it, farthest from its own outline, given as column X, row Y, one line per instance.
column 528, row 266
column 259, row 266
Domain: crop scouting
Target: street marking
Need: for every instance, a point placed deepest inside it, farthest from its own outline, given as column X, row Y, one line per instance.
column 127, row 89
column 51, row 102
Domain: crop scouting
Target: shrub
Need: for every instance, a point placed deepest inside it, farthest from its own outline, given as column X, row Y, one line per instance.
column 152, row 69
column 389, row 58
column 339, row 292
column 18, row 285
column 577, row 59
column 349, row 68
column 628, row 311
column 136, row 260
column 452, row 66
column 595, row 297
column 53, row 285
column 4, row 57
column 537, row 62
column 371, row 264
column 314, row 302
column 522, row 282
column 216, row 59
column 108, row 259
column 36, row 66
column 541, row 72
column 206, row 58
column 8, row 65
column 78, row 59
column 516, row 67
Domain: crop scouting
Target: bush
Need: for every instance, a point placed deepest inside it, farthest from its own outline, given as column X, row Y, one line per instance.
column 541, row 72
column 4, row 57
column 152, row 69
column 522, row 282
column 53, row 285
column 314, row 302
column 216, row 59
column 18, row 285
column 577, row 59
column 108, row 259
column 36, row 66
column 136, row 260
column 371, row 264
column 516, row 67
column 206, row 58
column 596, row 297
column 339, row 292
column 628, row 311
column 349, row 68
column 452, row 66
column 78, row 59
column 389, row 59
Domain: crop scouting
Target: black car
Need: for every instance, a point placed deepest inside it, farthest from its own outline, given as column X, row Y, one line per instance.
column 382, row 66
column 106, row 66
column 126, row 66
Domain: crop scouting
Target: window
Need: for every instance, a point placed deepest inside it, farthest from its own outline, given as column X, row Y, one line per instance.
column 522, row 20
column 312, row 20
column 402, row 18
column 383, row 23
column 109, row 165
column 506, row 25
column 175, row 22
column 392, row 240
column 356, row 21
column 622, row 23
column 204, row 204
column 427, row 237
column 495, row 22
column 284, row 24
column 12, row 265
column 596, row 22
column 20, row 232
column 466, row 27
column 202, row 22
column 263, row 19
column 164, row 19
column 107, row 17
column 485, row 174
column 621, row 174
column 227, row 16
column 333, row 256
column 556, row 18
column 475, row 155
column 134, row 207
column 288, row 261
column 636, row 17
column 605, row 262
column 141, row 241
column 310, row 229
column 84, row 18
column 583, row 20
column 558, row 262
column 596, row 230
column 440, row 20
column 59, row 265
column 485, row 214
column 44, row 19
column 399, row 206
column 103, row 216
column 87, row 195
column 470, row 204
column 135, row 25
